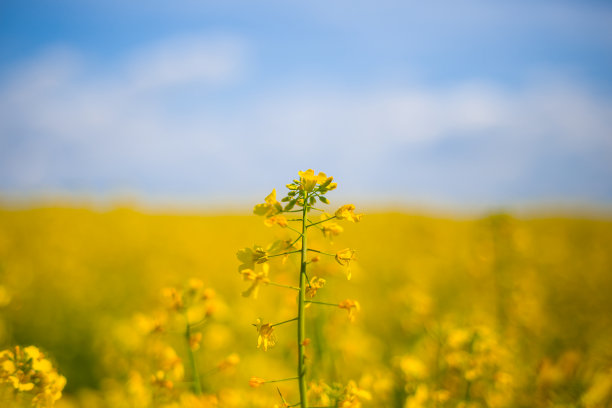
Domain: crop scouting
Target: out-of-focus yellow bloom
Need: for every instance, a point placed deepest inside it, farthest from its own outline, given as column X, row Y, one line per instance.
column 599, row 391
column 413, row 368
column 280, row 220
column 347, row 212
column 344, row 258
column 331, row 229
column 173, row 297
column 316, row 283
column 27, row 370
column 266, row 337
column 257, row 278
column 270, row 207
column 419, row 398
column 318, row 393
column 256, row 382
column 249, row 257
column 5, row 296
column 193, row 284
column 194, row 341
column 353, row 396
column 159, row 380
column 229, row 362
column 351, row 306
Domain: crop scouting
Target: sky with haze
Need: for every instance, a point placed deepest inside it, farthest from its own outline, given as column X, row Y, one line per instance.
column 459, row 104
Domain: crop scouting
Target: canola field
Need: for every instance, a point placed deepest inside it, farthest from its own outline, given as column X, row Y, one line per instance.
column 495, row 311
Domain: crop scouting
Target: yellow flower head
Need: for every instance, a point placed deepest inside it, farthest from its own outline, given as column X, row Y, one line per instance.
column 256, row 382
column 276, row 219
column 270, row 207
column 229, row 362
column 257, row 278
column 249, row 257
column 316, row 283
column 194, row 341
column 266, row 338
column 308, row 180
column 344, row 258
column 173, row 298
column 351, row 306
column 28, row 371
column 353, row 396
column 346, row 212
column 331, row 229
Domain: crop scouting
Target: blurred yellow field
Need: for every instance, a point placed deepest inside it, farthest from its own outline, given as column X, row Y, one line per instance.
column 495, row 311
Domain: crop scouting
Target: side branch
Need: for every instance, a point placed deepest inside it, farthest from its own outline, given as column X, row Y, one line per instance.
column 320, row 222
column 321, row 252
column 285, row 253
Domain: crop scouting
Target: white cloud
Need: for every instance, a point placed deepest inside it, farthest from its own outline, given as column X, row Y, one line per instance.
column 155, row 125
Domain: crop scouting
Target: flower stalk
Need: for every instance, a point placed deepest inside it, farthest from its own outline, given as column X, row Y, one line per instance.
column 301, row 333
column 197, row 384
column 303, row 194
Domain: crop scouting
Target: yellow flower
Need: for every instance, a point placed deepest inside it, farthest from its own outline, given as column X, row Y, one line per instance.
column 330, row 229
column 229, row 362
column 159, row 379
column 353, row 396
column 346, row 212
column 270, row 207
column 194, row 341
column 266, row 338
column 344, row 258
column 316, row 283
column 351, row 306
column 27, row 370
column 257, row 278
column 276, row 219
column 173, row 297
column 308, row 180
column 249, row 257
column 256, row 382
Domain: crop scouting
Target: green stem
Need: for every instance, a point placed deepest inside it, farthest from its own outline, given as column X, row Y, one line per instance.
column 320, row 222
column 286, row 321
column 301, row 311
column 284, row 379
column 322, row 303
column 321, row 252
column 197, row 385
column 284, row 253
column 294, row 230
column 280, row 285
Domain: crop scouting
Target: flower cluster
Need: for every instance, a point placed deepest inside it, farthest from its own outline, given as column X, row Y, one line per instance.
column 26, row 370
column 304, row 192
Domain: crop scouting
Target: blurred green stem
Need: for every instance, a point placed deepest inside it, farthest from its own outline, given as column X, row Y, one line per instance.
column 197, row 385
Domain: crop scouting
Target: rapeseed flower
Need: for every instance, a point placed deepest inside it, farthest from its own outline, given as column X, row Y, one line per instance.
column 270, row 207
column 315, row 284
column 347, row 212
column 257, row 278
column 256, row 382
column 249, row 257
column 266, row 337
column 344, row 258
column 351, row 306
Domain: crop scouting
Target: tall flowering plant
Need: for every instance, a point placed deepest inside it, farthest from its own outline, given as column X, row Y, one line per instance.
column 296, row 212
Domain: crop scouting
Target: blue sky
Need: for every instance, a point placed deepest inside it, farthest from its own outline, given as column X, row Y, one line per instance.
column 462, row 103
